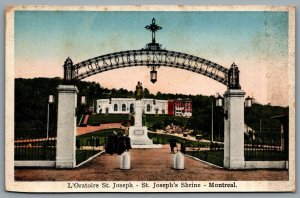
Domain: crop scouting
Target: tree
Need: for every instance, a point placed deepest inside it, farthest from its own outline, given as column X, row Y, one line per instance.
column 31, row 99
column 146, row 93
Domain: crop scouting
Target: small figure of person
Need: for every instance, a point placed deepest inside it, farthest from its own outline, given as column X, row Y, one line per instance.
column 115, row 141
column 182, row 147
column 172, row 145
column 127, row 142
column 121, row 145
column 109, row 147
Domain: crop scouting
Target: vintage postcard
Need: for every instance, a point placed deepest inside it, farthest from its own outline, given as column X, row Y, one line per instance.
column 150, row 99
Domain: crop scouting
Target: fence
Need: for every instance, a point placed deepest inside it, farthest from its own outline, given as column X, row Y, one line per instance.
column 45, row 149
column 35, row 149
column 266, row 145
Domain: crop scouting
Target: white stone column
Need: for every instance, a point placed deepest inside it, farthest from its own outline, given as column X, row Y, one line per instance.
column 234, row 129
column 66, row 126
column 138, row 113
column 138, row 133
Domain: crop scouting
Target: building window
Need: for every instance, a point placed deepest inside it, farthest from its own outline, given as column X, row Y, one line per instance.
column 163, row 112
column 106, row 110
column 115, row 107
column 131, row 108
column 123, row 107
column 148, row 107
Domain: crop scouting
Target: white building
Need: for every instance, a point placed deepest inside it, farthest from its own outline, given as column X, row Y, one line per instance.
column 127, row 105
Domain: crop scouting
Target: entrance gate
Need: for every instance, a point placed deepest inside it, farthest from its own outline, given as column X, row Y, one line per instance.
column 153, row 55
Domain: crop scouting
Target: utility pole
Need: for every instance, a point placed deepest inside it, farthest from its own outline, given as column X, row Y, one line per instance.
column 48, row 122
column 50, row 101
column 212, row 119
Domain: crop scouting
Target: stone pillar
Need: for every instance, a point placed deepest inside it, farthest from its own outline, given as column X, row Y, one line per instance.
column 138, row 113
column 234, row 129
column 66, row 126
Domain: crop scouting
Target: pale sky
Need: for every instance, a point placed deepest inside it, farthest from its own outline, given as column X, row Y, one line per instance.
column 256, row 41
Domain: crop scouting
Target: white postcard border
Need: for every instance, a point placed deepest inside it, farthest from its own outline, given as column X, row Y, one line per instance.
column 242, row 186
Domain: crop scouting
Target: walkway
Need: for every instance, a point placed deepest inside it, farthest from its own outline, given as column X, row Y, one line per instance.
column 90, row 129
column 147, row 165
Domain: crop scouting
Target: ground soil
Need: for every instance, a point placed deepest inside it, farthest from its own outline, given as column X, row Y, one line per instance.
column 146, row 165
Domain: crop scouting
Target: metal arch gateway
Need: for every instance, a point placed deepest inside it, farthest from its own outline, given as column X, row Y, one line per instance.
column 152, row 56
column 145, row 57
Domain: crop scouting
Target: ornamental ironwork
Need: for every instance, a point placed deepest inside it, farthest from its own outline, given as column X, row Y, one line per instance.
column 151, row 56
column 153, row 27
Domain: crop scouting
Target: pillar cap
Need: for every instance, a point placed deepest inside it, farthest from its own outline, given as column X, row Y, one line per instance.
column 234, row 92
column 67, row 88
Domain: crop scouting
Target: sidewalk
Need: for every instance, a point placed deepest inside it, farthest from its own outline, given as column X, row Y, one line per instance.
column 90, row 129
column 146, row 165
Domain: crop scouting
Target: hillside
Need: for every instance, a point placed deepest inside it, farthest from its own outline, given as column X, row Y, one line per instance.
column 31, row 99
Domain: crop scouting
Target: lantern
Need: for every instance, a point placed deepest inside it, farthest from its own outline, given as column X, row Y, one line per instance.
column 153, row 75
column 51, row 99
column 83, row 100
column 248, row 102
column 219, row 101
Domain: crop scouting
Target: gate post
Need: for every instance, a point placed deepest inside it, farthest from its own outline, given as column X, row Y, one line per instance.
column 66, row 126
column 234, row 129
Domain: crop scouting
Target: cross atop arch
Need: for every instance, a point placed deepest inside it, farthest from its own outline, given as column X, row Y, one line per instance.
column 153, row 27
column 152, row 56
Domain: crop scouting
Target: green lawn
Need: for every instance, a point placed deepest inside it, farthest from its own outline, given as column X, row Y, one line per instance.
column 82, row 155
column 107, row 118
column 212, row 156
column 86, row 139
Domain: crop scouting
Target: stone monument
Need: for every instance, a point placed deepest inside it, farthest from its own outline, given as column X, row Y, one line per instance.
column 138, row 133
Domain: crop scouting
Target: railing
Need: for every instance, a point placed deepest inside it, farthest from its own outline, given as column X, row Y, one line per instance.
column 35, row 149
column 267, row 145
